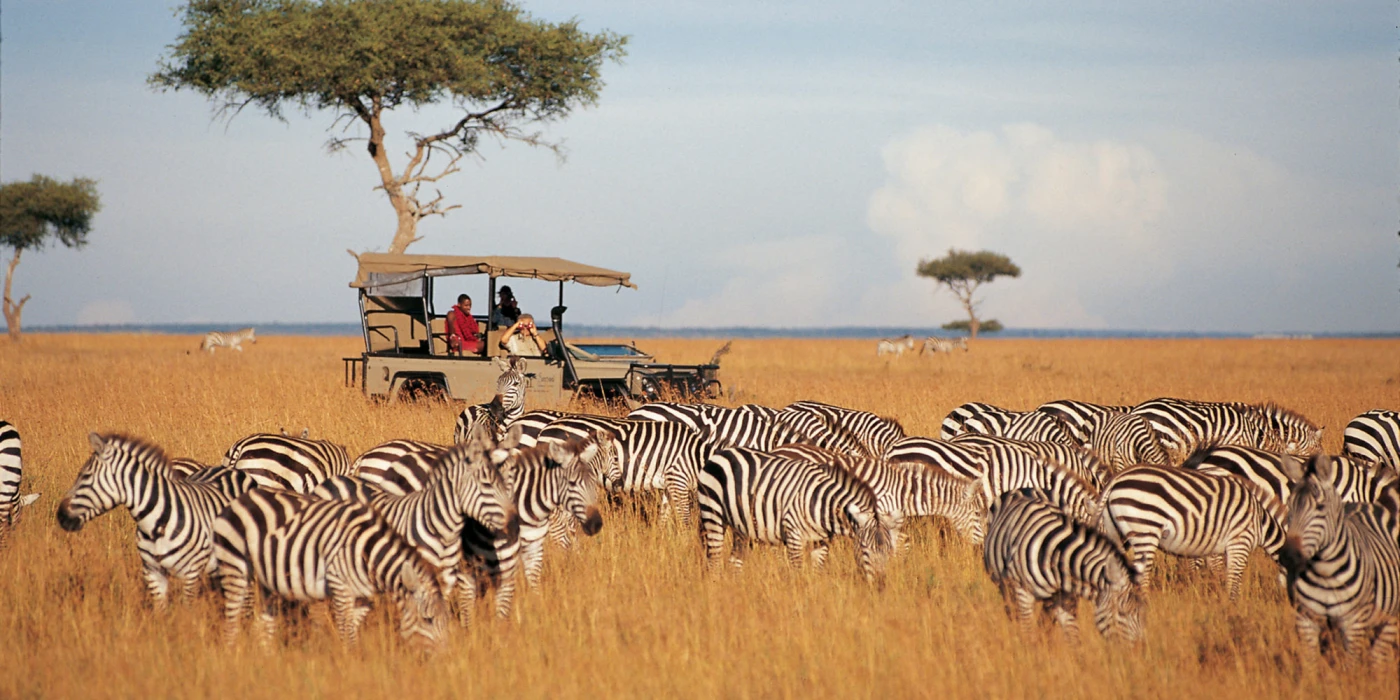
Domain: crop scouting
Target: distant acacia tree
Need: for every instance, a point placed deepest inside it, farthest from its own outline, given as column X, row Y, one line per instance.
column 500, row 69
column 35, row 212
column 962, row 272
column 990, row 325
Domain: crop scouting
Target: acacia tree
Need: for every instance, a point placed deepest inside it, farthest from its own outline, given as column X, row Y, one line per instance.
column 35, row 212
column 503, row 72
column 962, row 272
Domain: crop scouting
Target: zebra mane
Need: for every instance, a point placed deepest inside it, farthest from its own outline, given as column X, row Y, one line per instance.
column 149, row 453
column 1281, row 414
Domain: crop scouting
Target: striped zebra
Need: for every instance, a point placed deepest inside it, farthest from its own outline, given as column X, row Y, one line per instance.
column 11, row 471
column 503, row 409
column 398, row 467
column 1354, row 481
column 962, row 460
column 462, row 485
column 790, row 502
column 933, row 346
column 1011, row 468
column 978, row 418
column 1122, row 440
column 174, row 514
column 874, row 433
column 1190, row 514
column 300, row 548
column 1184, row 426
column 1343, row 568
column 1035, row 552
column 232, row 340
column 282, row 462
column 647, row 456
column 532, row 423
column 751, row 425
column 907, row 490
column 1375, row 437
column 894, row 346
column 1079, row 416
column 549, row 480
column 1076, row 460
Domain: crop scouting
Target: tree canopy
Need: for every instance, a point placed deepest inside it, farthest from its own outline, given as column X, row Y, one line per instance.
column 36, row 212
column 990, row 325
column 499, row 68
column 962, row 272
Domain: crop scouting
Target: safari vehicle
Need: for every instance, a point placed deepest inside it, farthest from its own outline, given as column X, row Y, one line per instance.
column 406, row 337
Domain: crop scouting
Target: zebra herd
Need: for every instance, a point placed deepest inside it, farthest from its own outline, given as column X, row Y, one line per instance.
column 1070, row 500
column 896, row 347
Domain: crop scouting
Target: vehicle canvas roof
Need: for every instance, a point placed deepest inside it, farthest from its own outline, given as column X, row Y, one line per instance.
column 379, row 269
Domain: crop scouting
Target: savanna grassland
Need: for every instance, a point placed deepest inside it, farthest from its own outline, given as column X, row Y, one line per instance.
column 631, row 612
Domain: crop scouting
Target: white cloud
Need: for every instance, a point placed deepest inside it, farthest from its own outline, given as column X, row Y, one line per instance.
column 106, row 312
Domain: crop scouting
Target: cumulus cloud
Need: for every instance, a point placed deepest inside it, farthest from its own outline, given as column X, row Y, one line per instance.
column 106, row 312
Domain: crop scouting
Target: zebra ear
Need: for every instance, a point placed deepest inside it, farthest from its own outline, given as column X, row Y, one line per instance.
column 857, row 516
column 1291, row 468
column 97, row 441
column 1322, row 466
column 306, row 432
column 503, row 363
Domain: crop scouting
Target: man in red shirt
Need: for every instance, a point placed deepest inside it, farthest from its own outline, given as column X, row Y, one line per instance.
column 463, row 333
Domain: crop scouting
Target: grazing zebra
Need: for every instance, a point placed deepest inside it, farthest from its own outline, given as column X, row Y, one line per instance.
column 647, row 455
column 791, row 502
column 976, row 418
column 232, row 340
column 875, row 434
column 1185, row 426
column 1010, row 468
column 1190, row 514
column 1122, row 440
column 462, row 484
column 398, row 467
column 1078, row 416
column 1374, row 436
column 1354, row 481
column 534, row 422
column 174, row 514
column 548, row 481
column 1076, row 460
column 962, row 460
column 282, row 462
column 503, row 409
column 1343, row 568
column 897, row 346
column 11, row 470
column 751, row 425
column 301, row 548
column 1035, row 552
column 934, row 345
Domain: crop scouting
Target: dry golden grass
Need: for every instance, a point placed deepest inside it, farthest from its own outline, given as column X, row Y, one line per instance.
column 630, row 613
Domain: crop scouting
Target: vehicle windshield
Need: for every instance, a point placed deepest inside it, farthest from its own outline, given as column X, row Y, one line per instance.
column 610, row 350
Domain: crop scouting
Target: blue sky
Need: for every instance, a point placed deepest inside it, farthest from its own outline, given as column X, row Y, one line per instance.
column 1164, row 166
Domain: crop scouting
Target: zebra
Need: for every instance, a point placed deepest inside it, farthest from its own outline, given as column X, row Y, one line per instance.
column 961, row 460
column 647, row 455
column 503, row 409
column 1078, row 416
column 897, row 346
column 462, row 484
column 874, row 433
column 978, row 418
column 532, row 423
column 548, row 480
column 934, row 345
column 751, row 425
column 1122, row 440
column 232, row 340
column 907, row 489
column 1034, row 551
column 282, row 462
column 1374, row 436
column 174, row 514
column 1184, row 426
column 1191, row 514
column 398, row 467
column 11, row 471
column 1010, row 468
column 1076, row 460
column 303, row 548
column 1354, row 481
column 1343, row 568
column 792, row 502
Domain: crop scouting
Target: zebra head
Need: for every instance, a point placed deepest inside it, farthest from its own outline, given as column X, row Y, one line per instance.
column 575, row 459
column 1119, row 609
column 1315, row 511
column 510, row 386
column 478, row 485
column 423, row 612
column 104, row 481
column 874, row 541
column 1282, row 430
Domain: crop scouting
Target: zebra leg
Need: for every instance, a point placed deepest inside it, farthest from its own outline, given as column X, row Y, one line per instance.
column 532, row 556
column 267, row 619
column 348, row 614
column 465, row 594
column 1308, row 637
column 237, row 603
column 737, row 550
column 157, row 585
column 712, row 538
column 1022, row 607
column 1142, row 551
column 1236, row 557
column 1383, row 649
column 818, row 554
column 1062, row 610
column 505, row 586
column 795, row 546
column 680, row 496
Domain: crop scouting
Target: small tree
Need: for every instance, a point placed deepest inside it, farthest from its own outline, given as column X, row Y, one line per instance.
column 500, row 69
column 34, row 212
column 990, row 325
column 963, row 272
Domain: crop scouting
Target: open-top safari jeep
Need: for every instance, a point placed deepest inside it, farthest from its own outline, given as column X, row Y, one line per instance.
column 406, row 337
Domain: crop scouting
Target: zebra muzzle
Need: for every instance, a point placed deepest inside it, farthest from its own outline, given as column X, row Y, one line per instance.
column 593, row 522
column 66, row 520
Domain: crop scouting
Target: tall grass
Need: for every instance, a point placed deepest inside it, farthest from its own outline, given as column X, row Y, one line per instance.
column 632, row 612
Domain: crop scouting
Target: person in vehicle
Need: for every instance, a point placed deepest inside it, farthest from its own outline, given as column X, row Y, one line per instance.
column 507, row 309
column 463, row 333
column 523, row 339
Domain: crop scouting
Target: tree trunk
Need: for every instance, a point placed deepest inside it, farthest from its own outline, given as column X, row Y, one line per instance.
column 407, row 230
column 11, row 309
